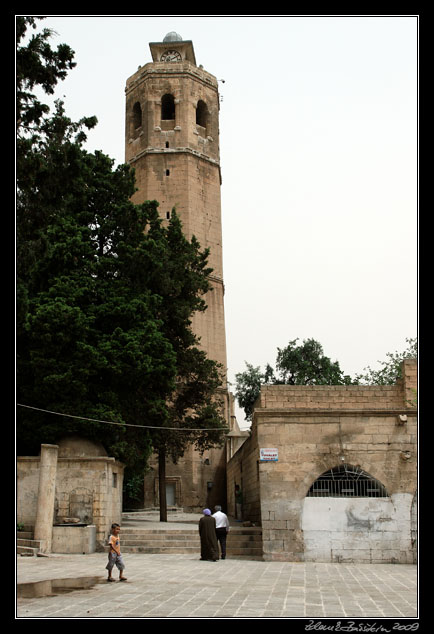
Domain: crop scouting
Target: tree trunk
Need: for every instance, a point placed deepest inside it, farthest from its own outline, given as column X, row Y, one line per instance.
column 162, row 484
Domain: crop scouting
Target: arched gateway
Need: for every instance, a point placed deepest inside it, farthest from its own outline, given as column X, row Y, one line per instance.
column 349, row 516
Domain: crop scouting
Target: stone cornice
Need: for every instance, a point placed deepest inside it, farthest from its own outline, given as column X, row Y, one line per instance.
column 74, row 459
column 162, row 69
column 182, row 150
column 265, row 413
column 215, row 278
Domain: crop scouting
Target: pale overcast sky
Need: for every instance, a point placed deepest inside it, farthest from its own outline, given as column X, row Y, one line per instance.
column 318, row 140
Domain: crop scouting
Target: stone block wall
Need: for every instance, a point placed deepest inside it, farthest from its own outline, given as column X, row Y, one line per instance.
column 243, row 469
column 331, row 397
column 316, row 429
column 366, row 530
column 87, row 487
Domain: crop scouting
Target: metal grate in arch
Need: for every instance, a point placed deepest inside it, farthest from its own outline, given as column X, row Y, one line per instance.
column 347, row 481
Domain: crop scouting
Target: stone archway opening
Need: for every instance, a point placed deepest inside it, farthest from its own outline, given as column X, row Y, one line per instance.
column 168, row 108
column 202, row 116
column 347, row 481
column 349, row 516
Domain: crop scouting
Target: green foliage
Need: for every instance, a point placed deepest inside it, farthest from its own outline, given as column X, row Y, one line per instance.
column 391, row 371
column 248, row 387
column 89, row 341
column 303, row 364
column 105, row 294
column 133, row 488
column 37, row 64
column 306, row 364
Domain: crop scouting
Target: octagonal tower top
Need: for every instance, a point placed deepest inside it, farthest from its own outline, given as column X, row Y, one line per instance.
column 173, row 49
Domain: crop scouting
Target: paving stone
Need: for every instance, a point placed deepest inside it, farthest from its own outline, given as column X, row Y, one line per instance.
column 181, row 586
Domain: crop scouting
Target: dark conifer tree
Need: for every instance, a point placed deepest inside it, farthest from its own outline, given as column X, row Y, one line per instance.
column 105, row 293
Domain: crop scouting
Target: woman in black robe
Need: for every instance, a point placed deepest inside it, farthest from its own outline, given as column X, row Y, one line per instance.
column 209, row 550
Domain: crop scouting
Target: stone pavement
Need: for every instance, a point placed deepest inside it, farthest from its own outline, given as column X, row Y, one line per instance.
column 182, row 586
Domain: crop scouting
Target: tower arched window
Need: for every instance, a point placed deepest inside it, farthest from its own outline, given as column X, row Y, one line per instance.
column 168, row 107
column 347, row 481
column 202, row 114
column 137, row 115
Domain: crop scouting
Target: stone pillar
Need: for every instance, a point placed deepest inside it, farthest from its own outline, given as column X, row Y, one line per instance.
column 409, row 374
column 46, row 492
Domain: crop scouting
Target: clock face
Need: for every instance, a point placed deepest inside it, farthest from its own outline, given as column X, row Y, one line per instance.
column 171, row 56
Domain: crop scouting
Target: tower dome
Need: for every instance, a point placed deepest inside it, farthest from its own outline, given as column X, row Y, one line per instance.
column 173, row 37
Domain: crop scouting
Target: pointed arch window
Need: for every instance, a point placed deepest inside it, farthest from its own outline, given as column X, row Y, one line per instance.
column 202, row 114
column 168, row 108
column 137, row 115
column 347, row 481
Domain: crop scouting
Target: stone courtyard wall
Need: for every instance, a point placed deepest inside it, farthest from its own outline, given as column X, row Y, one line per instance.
column 315, row 429
column 243, row 469
column 88, row 488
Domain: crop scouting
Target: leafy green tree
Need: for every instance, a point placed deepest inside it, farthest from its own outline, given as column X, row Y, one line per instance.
column 391, row 371
column 303, row 364
column 105, row 296
column 306, row 364
column 248, row 388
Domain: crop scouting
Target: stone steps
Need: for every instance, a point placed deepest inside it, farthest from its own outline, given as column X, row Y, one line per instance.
column 241, row 541
column 26, row 545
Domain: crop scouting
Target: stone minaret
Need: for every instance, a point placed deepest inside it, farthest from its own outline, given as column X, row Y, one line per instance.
column 172, row 141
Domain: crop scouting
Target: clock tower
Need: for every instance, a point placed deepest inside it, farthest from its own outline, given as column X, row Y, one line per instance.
column 172, row 141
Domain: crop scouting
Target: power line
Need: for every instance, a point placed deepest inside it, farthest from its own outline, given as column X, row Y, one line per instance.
column 107, row 422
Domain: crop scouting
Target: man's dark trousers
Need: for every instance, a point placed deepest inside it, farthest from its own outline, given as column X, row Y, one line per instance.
column 221, row 536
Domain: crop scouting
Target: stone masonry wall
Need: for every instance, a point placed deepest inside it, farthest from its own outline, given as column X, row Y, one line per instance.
column 316, row 429
column 243, row 469
column 88, row 488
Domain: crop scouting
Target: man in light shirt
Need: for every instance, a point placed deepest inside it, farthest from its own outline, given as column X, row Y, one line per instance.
column 222, row 528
